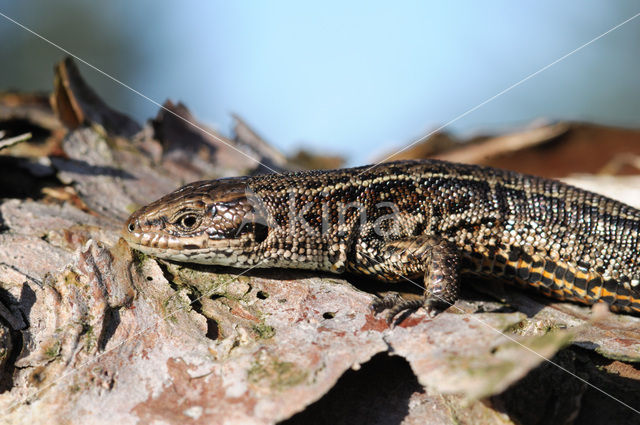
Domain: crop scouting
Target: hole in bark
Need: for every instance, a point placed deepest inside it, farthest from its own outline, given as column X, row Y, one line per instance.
column 328, row 315
column 262, row 295
column 213, row 332
column 377, row 393
column 110, row 324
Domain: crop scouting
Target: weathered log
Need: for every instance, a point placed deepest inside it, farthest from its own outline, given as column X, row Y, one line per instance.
column 92, row 332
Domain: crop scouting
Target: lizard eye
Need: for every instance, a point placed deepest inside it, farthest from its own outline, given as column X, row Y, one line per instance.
column 188, row 221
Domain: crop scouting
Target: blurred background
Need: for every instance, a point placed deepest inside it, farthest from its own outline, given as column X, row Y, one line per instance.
column 355, row 79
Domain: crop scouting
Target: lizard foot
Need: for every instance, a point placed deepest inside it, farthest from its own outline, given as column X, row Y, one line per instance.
column 397, row 305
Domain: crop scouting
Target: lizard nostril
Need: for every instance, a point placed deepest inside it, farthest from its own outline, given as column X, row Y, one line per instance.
column 131, row 227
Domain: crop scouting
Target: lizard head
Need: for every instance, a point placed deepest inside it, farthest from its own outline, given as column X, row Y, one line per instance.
column 210, row 222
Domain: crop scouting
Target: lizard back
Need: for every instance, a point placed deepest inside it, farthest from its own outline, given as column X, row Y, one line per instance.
column 566, row 242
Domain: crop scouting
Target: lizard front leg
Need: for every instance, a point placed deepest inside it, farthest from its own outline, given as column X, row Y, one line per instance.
column 436, row 258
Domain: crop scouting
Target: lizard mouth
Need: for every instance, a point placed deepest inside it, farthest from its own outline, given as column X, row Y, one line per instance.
column 147, row 241
column 194, row 250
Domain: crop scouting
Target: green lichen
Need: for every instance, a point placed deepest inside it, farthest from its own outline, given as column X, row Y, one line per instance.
column 204, row 282
column 278, row 375
column 53, row 350
column 139, row 259
column 89, row 334
column 71, row 279
column 172, row 304
column 264, row 331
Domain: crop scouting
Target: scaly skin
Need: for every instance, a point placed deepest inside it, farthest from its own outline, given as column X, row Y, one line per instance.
column 408, row 219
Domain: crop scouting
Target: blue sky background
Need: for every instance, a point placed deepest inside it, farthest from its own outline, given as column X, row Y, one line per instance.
column 356, row 79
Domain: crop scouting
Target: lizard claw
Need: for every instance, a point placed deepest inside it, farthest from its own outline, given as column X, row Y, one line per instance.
column 389, row 301
column 396, row 305
column 404, row 308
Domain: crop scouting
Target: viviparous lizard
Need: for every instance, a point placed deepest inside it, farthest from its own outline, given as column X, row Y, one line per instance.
column 432, row 220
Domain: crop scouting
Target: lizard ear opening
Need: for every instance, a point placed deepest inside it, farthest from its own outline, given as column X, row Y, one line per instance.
column 256, row 223
column 260, row 231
